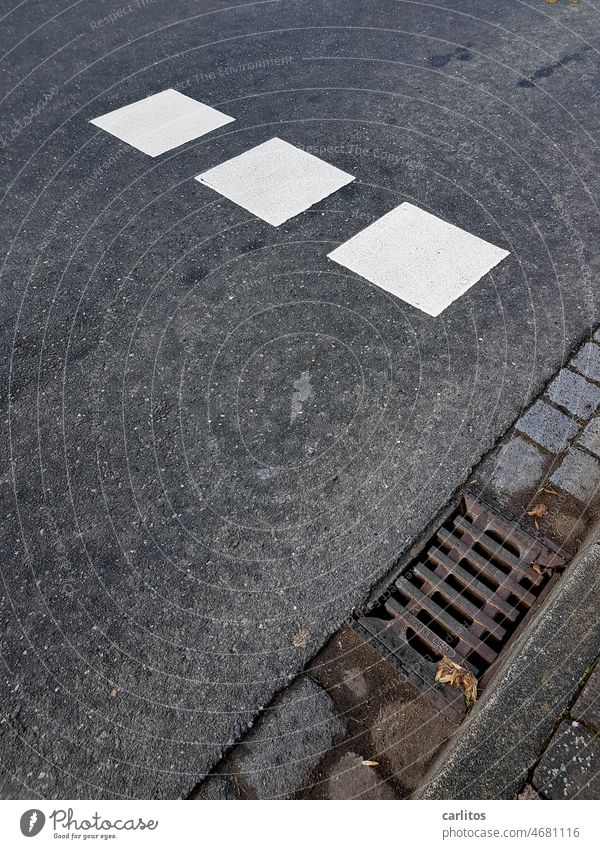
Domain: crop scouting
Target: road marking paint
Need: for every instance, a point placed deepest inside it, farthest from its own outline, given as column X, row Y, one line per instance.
column 275, row 180
column 418, row 257
column 162, row 121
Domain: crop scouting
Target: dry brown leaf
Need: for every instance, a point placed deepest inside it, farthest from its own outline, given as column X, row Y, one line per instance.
column 544, row 570
column 301, row 639
column 113, row 693
column 370, row 763
column 449, row 672
column 538, row 511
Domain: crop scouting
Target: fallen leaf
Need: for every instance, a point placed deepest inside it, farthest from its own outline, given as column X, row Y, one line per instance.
column 370, row 763
column 301, row 639
column 544, row 570
column 538, row 511
column 113, row 693
column 449, row 672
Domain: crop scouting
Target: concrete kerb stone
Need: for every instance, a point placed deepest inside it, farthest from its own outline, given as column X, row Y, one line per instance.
column 493, row 751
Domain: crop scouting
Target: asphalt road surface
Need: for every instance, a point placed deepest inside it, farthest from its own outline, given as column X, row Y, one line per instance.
column 216, row 439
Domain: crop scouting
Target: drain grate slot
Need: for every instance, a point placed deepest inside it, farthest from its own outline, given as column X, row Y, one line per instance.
column 486, row 568
column 464, row 597
column 459, row 601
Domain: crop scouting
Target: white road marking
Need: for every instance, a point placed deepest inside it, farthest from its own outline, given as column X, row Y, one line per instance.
column 418, row 257
column 162, row 121
column 275, row 180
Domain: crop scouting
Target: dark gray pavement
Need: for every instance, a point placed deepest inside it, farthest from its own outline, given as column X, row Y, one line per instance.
column 175, row 543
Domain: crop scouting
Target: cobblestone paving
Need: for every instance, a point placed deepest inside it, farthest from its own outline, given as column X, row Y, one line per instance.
column 552, row 453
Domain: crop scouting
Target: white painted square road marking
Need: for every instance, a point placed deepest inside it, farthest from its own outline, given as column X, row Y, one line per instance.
column 162, row 121
column 275, row 180
column 418, row 257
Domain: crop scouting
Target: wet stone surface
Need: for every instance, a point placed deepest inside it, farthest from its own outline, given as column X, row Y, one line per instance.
column 389, row 722
column 350, row 777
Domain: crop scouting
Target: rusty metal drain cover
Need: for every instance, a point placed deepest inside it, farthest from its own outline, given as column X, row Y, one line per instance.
column 464, row 597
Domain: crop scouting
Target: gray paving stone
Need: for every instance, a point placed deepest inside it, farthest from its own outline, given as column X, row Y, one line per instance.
column 576, row 394
column 570, row 766
column 578, row 474
column 278, row 756
column 587, row 707
column 597, row 335
column 547, row 426
column 590, row 437
column 587, row 361
column 516, row 467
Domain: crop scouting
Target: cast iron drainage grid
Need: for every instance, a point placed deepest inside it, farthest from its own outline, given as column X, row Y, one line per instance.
column 464, row 597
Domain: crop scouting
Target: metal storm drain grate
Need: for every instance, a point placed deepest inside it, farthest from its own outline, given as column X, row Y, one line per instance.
column 463, row 597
